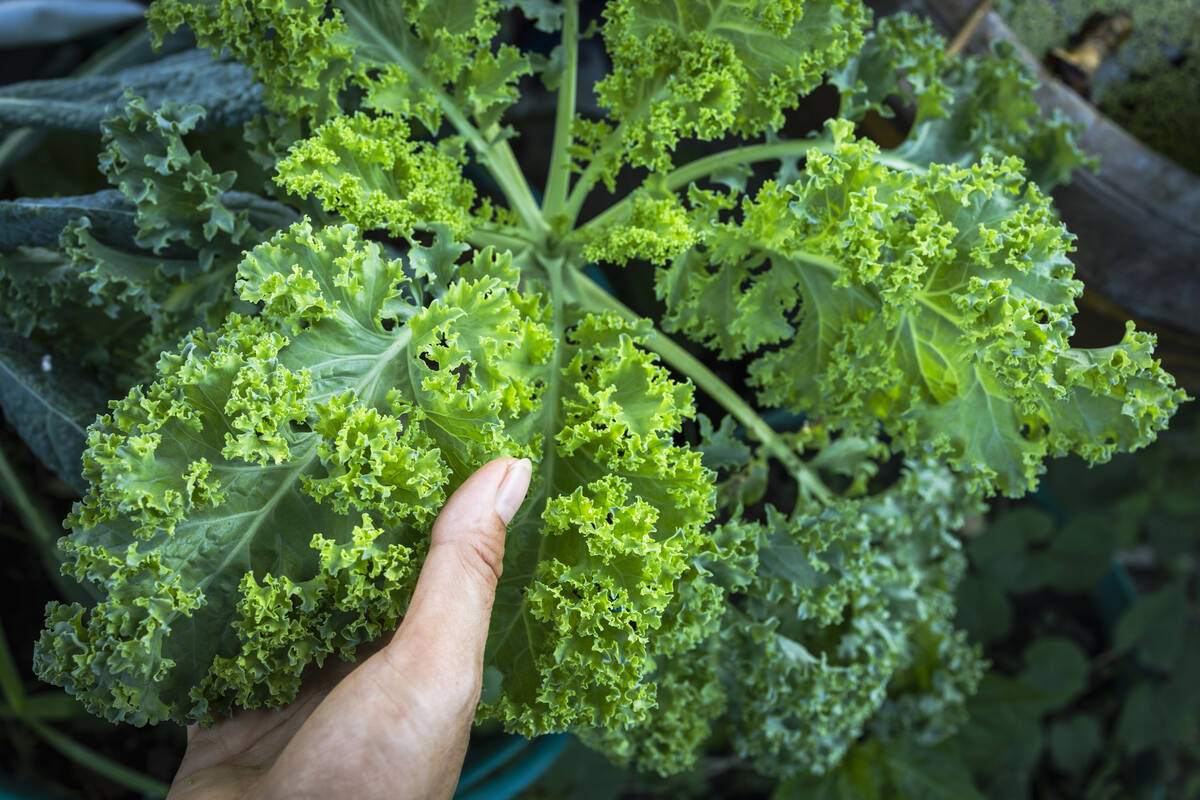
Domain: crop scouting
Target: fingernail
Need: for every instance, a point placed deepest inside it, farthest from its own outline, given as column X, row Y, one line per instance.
column 512, row 489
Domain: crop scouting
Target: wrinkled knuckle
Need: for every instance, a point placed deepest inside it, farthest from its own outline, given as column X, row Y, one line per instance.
column 482, row 556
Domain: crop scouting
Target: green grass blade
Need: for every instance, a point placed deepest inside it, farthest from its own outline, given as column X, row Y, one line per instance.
column 10, row 677
column 86, row 757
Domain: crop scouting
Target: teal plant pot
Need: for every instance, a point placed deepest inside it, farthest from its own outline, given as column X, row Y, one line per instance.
column 501, row 767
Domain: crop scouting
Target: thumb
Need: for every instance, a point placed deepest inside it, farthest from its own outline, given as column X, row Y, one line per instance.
column 407, row 709
column 447, row 620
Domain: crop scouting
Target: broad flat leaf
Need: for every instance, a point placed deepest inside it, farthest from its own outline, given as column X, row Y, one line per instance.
column 1002, row 552
column 39, row 221
column 983, row 609
column 1140, row 724
column 42, row 22
column 580, row 773
column 1078, row 554
column 1155, row 626
column 887, row 770
column 48, row 404
column 1074, row 741
column 924, row 773
column 1004, row 738
column 1058, row 668
column 225, row 89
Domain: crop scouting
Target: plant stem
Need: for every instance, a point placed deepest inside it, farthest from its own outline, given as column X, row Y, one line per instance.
column 714, row 387
column 590, row 175
column 703, row 167
column 43, row 532
column 509, row 239
column 516, row 187
column 552, row 398
column 559, row 176
column 496, row 155
column 969, row 27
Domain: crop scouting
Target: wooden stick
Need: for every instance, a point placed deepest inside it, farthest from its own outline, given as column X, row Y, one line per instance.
column 968, row 28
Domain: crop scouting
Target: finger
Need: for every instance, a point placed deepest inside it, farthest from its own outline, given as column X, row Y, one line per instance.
column 407, row 709
column 447, row 620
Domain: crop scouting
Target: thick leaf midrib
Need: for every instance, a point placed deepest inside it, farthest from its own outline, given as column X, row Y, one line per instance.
column 551, row 402
column 368, row 30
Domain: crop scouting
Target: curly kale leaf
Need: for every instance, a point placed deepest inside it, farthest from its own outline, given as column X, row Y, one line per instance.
column 936, row 304
column 705, row 70
column 142, row 147
column 965, row 108
column 265, row 502
column 413, row 62
column 841, row 623
column 138, row 266
column 372, row 173
column 369, row 78
column 852, row 609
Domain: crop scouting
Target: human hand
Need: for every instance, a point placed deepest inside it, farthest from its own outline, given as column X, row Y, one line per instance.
column 396, row 724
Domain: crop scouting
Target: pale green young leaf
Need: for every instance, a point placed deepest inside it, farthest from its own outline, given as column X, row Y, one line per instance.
column 375, row 175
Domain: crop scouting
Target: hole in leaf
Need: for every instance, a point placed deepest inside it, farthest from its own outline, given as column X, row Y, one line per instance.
column 463, row 373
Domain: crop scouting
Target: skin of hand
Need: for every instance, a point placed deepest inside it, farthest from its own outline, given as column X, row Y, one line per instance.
column 396, row 724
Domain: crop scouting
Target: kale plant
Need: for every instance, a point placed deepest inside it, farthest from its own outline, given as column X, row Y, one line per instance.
column 263, row 501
